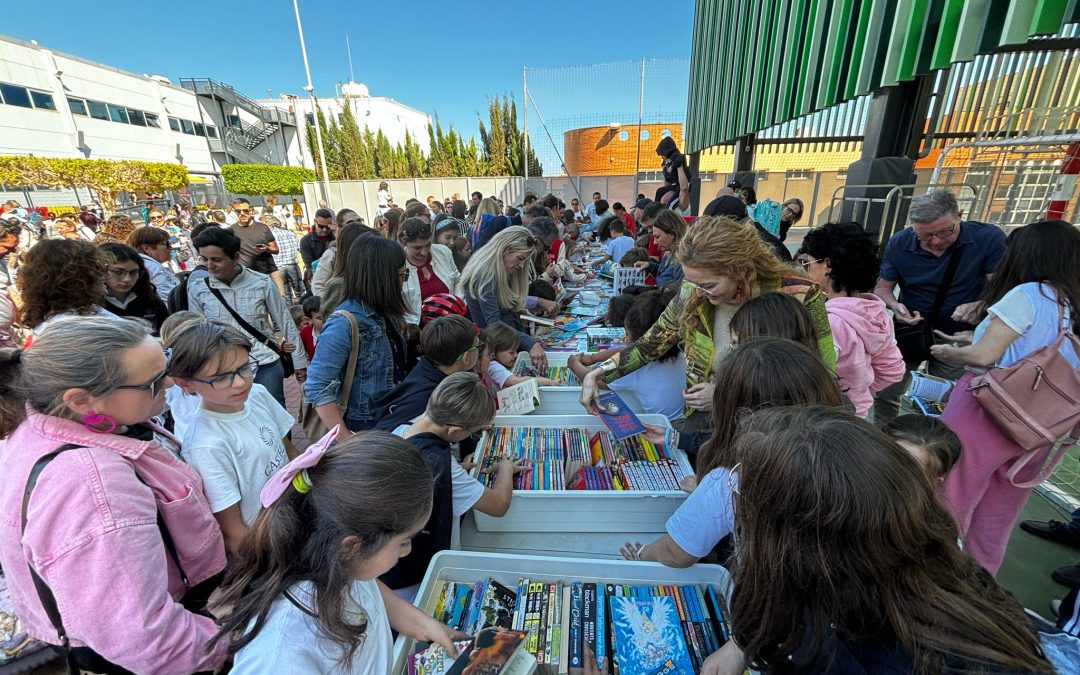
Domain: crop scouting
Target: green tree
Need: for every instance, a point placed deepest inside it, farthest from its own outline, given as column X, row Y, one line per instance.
column 357, row 154
column 384, row 156
column 415, row 162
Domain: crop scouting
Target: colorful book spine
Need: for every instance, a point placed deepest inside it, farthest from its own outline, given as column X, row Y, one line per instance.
column 588, row 620
column 601, row 628
column 576, row 611
column 542, row 631
column 532, row 619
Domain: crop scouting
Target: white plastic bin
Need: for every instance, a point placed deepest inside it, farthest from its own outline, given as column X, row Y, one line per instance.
column 642, row 511
column 462, row 566
column 564, row 399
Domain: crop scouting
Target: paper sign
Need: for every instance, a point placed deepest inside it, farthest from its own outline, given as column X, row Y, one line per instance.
column 519, row 399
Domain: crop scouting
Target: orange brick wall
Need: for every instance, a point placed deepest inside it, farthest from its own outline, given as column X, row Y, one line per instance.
column 604, row 151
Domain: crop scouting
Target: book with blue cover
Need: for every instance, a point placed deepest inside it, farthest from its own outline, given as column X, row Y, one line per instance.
column 648, row 636
column 617, row 416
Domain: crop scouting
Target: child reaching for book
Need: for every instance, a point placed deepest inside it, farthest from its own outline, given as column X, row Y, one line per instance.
column 303, row 594
column 458, row 408
column 659, row 384
column 237, row 437
column 503, row 342
column 929, row 440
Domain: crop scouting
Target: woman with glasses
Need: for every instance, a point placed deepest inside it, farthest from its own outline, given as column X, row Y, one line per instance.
column 59, row 278
column 724, row 264
column 431, row 266
column 790, row 213
column 371, row 293
column 495, row 285
column 128, row 289
column 668, row 228
column 112, row 524
column 153, row 244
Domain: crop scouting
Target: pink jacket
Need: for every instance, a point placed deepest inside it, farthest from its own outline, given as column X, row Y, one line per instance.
column 92, row 535
column 867, row 358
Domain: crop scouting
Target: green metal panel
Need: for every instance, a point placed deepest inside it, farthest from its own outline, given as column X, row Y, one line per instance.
column 902, row 13
column 969, row 32
column 1017, row 22
column 948, row 29
column 859, row 48
column 1049, row 15
column 912, row 39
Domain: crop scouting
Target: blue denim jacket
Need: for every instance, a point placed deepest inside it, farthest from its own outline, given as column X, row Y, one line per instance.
column 374, row 367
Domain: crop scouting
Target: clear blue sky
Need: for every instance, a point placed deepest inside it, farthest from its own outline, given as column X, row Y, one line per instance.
column 443, row 58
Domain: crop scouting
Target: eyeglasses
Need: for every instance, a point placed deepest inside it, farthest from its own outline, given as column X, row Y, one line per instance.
column 154, row 385
column 704, row 290
column 225, row 380
column 944, row 234
column 121, row 273
column 478, row 347
column 806, row 263
column 154, row 219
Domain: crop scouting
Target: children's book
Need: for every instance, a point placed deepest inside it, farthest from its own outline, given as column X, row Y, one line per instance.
column 495, row 650
column 618, row 417
column 520, row 399
column 648, row 636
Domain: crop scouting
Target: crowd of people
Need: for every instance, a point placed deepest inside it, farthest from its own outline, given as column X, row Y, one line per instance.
column 151, row 470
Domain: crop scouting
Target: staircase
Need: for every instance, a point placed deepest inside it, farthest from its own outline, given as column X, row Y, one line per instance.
column 240, row 141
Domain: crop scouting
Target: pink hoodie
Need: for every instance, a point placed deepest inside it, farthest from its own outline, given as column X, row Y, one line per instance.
column 867, row 358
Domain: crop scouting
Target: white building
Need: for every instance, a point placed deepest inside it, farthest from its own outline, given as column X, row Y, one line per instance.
column 372, row 112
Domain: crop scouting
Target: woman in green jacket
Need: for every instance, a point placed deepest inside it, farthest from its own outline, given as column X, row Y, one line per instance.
column 724, row 264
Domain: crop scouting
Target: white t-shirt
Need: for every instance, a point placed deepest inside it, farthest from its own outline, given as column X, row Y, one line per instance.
column 184, row 407
column 236, row 453
column 290, row 641
column 498, row 374
column 658, row 385
column 467, row 490
column 705, row 517
column 1032, row 310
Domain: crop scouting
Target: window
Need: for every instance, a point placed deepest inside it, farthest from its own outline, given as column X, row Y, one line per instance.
column 623, row 135
column 200, row 130
column 187, row 127
column 174, row 124
column 233, row 121
column 799, row 175
column 78, row 106
column 98, row 110
column 16, row 95
column 211, row 131
column 644, row 134
column 152, row 120
column 42, row 101
column 137, row 117
column 118, row 114
column 310, row 119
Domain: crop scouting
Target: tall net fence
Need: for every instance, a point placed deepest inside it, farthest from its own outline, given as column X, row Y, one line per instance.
column 605, row 119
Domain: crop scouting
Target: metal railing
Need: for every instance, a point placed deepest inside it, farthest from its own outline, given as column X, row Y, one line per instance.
column 208, row 87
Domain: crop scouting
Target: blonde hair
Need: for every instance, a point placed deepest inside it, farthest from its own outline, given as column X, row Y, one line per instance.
column 488, row 205
column 461, row 400
column 730, row 249
column 485, row 269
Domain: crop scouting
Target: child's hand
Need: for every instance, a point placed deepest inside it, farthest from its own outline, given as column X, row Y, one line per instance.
column 518, row 464
column 631, row 550
column 467, row 463
column 654, row 434
column 546, row 382
column 430, row 630
column 688, row 484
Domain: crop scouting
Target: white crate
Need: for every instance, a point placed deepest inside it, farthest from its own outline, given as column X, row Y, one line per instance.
column 564, row 399
column 627, row 276
column 584, row 510
column 470, row 567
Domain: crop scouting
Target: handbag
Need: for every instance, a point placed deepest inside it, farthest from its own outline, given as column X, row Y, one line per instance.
column 309, row 419
column 1035, row 403
column 915, row 340
column 287, row 364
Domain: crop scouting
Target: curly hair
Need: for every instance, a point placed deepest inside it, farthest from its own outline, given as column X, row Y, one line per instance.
column 116, row 228
column 853, row 258
column 62, row 275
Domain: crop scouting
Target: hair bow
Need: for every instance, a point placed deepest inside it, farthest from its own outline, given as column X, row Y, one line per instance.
column 294, row 474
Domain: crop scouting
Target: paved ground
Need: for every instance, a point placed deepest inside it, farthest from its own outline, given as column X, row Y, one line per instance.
column 293, row 395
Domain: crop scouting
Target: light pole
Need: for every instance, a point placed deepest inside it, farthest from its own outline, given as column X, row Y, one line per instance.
column 314, row 110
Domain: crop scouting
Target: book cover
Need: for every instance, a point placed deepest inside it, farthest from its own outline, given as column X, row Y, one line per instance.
column 617, row 416
column 519, row 604
column 601, row 629
column 588, row 620
column 497, row 606
column 495, row 650
column 520, row 399
column 542, row 633
column 554, row 634
column 576, row 611
column 532, row 617
column 611, row 591
column 648, row 636
column 564, row 631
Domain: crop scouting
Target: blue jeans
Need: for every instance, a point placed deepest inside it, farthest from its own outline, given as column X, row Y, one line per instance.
column 272, row 376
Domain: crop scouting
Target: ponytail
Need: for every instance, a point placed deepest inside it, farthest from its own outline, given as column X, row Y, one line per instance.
column 374, row 487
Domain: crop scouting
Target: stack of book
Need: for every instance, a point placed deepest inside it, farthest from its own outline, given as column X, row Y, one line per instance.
column 561, row 374
column 569, row 459
column 627, row 630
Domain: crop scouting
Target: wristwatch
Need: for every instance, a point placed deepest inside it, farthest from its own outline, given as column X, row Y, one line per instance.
column 607, row 366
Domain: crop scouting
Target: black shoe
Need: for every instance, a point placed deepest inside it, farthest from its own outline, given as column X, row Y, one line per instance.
column 1053, row 530
column 1067, row 576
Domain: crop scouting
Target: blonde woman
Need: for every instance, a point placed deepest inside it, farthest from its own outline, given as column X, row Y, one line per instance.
column 724, row 265
column 495, row 285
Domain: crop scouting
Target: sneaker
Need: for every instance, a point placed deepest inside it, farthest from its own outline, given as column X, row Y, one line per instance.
column 1053, row 530
column 1067, row 576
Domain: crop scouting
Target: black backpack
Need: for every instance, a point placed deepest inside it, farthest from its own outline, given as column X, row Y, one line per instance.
column 178, row 298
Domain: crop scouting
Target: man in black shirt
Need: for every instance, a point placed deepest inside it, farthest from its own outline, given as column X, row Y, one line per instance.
column 314, row 243
column 257, row 244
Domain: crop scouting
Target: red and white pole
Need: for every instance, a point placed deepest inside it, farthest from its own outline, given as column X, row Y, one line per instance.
column 1066, row 185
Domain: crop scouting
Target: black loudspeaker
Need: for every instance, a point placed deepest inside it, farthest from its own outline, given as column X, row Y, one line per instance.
column 743, row 178
column 869, row 183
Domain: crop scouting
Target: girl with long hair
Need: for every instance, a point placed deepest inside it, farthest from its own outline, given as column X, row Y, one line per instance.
column 304, row 588
column 761, row 373
column 495, row 284
column 128, row 289
column 724, row 265
column 847, row 562
column 1033, row 295
column 668, row 228
column 372, row 294
column 331, row 294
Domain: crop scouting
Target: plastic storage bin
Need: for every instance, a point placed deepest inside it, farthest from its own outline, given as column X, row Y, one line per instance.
column 507, row 569
column 642, row 511
column 564, row 399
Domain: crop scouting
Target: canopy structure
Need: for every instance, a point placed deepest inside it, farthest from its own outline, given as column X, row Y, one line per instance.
column 759, row 63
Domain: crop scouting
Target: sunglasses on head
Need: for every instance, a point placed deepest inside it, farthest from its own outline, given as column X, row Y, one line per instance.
column 412, row 233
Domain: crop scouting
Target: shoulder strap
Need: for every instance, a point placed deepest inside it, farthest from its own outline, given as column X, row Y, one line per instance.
column 251, row 330
column 354, row 351
column 946, row 281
